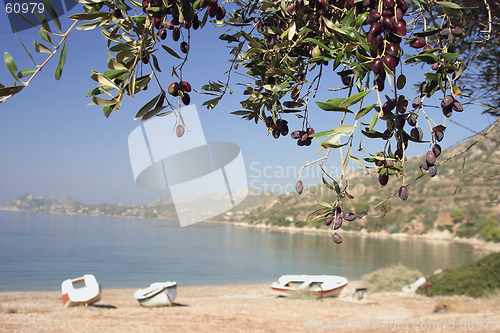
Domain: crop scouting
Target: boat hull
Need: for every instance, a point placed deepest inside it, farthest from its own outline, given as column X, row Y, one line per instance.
column 314, row 285
column 74, row 296
column 158, row 294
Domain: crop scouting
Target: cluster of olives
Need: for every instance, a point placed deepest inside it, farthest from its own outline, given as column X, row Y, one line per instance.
column 386, row 29
column 180, row 88
column 335, row 218
column 158, row 13
column 429, row 160
column 278, row 128
column 303, row 137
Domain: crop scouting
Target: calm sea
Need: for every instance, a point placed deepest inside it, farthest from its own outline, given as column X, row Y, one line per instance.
column 38, row 251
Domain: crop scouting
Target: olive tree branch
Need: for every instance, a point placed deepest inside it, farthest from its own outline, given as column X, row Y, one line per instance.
column 485, row 133
column 63, row 39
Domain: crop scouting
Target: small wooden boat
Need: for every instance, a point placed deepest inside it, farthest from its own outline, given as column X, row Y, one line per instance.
column 158, row 294
column 88, row 293
column 316, row 285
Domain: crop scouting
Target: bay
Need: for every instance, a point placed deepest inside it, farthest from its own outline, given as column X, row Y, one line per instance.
column 39, row 250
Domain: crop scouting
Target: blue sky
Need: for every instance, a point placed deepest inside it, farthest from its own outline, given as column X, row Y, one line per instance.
column 53, row 144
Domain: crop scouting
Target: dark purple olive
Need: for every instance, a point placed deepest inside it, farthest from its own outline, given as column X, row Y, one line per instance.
column 163, row 34
column 276, row 133
column 430, row 157
column 403, row 193
column 349, row 216
column 295, row 135
column 389, row 23
column 284, row 130
column 389, row 62
column 389, row 3
column 117, row 13
column 186, row 99
column 404, row 6
column 337, row 222
column 439, row 136
column 179, row 131
column 443, row 33
column 433, row 170
column 383, row 179
column 393, row 38
column 221, row 13
column 417, row 43
column 176, row 34
column 377, row 65
column 375, row 28
column 310, row 131
column 457, row 31
column 184, row 47
column 387, row 13
column 412, row 120
column 212, row 10
column 299, row 186
column 457, row 106
column 417, row 133
column 392, row 49
column 336, row 238
column 380, row 83
column 447, row 101
column 375, row 16
column 196, row 22
column 425, row 164
column 399, row 14
column 447, row 111
column 399, row 153
column 400, row 122
column 417, row 102
column 329, row 221
column 436, row 149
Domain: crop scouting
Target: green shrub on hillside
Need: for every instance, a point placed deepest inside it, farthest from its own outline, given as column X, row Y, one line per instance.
column 472, row 279
column 457, row 215
column 391, row 278
column 490, row 230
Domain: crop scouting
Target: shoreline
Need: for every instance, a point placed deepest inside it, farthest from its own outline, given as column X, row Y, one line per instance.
column 434, row 235
column 234, row 308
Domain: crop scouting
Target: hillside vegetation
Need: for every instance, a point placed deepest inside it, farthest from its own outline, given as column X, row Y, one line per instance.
column 462, row 198
column 476, row 279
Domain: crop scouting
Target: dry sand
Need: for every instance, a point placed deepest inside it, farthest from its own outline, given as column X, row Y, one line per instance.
column 241, row 308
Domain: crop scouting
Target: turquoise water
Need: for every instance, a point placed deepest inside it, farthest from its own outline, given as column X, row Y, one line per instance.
column 38, row 251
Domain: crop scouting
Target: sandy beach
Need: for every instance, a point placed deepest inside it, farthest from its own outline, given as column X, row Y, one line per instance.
column 245, row 308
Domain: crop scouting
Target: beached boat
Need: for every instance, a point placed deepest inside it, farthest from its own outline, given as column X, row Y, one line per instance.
column 158, row 294
column 316, row 285
column 80, row 291
column 412, row 287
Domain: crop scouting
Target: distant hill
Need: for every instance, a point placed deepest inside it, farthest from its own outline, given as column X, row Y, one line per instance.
column 159, row 209
column 27, row 202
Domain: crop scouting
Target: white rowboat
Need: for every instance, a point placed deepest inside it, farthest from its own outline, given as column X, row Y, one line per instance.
column 158, row 294
column 74, row 295
column 316, row 285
